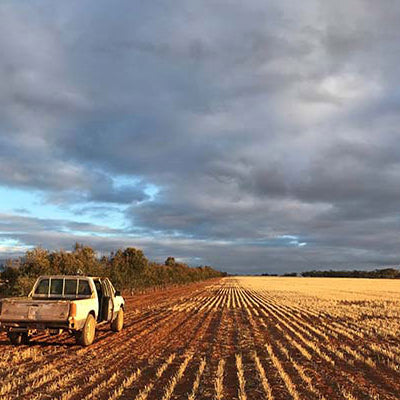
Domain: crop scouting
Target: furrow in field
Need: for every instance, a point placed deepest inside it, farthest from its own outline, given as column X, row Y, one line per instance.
column 197, row 342
column 148, row 385
column 196, row 383
column 329, row 354
column 216, row 346
column 265, row 383
column 346, row 352
column 176, row 378
column 160, row 341
column 179, row 338
column 246, row 347
column 282, row 385
column 273, row 335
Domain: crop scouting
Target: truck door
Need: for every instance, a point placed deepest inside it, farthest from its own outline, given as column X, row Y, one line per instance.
column 112, row 291
column 107, row 302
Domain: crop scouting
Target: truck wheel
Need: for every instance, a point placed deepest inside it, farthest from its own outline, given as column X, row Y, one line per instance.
column 15, row 338
column 118, row 322
column 86, row 336
column 25, row 338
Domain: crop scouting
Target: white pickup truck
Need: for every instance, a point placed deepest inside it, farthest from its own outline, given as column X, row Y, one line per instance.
column 56, row 303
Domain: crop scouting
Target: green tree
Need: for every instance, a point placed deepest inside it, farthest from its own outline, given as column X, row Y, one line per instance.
column 135, row 260
column 63, row 262
column 85, row 260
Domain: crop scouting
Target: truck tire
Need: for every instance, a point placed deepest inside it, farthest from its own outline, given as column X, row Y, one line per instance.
column 25, row 338
column 86, row 336
column 17, row 338
column 118, row 322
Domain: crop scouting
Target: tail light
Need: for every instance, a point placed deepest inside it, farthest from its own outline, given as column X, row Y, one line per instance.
column 72, row 310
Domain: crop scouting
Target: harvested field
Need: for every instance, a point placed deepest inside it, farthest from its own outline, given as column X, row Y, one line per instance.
column 232, row 338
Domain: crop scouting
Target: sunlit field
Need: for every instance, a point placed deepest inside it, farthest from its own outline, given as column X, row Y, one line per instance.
column 232, row 338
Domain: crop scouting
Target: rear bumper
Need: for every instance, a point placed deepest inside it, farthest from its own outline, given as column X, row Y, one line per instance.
column 23, row 326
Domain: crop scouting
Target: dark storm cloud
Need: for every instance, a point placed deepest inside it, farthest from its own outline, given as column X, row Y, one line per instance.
column 253, row 123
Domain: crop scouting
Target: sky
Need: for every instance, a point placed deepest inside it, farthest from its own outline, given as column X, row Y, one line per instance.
column 254, row 136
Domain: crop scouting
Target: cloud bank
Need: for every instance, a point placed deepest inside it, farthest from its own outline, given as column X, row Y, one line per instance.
column 256, row 136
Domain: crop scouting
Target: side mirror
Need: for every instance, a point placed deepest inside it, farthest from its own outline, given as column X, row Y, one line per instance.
column 118, row 293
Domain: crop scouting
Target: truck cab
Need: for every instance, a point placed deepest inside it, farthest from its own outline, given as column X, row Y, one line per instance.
column 76, row 304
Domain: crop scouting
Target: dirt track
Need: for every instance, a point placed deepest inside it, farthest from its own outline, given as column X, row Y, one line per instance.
column 227, row 339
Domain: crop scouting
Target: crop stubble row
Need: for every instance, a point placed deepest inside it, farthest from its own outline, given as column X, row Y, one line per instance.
column 233, row 338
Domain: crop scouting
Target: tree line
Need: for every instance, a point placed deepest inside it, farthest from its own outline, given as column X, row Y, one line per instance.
column 127, row 268
column 384, row 273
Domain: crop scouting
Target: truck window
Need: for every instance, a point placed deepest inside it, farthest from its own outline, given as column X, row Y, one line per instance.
column 84, row 288
column 56, row 287
column 70, row 287
column 43, row 287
